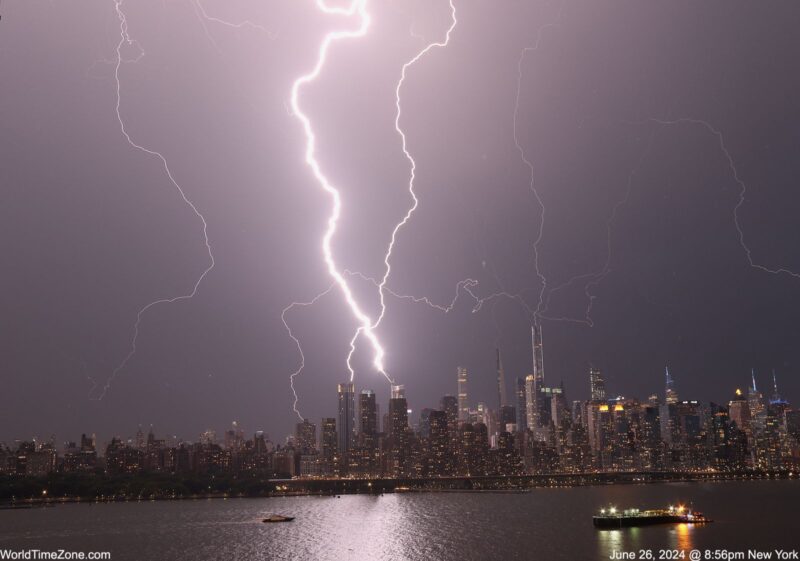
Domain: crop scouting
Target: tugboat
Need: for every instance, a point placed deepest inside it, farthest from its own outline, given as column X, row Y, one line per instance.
column 612, row 518
column 278, row 518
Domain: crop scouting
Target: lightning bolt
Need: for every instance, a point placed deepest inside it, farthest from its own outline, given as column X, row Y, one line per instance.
column 595, row 278
column 529, row 164
column 125, row 39
column 742, row 190
column 412, row 176
column 356, row 7
column 238, row 25
column 302, row 365
column 468, row 286
column 203, row 16
column 413, row 164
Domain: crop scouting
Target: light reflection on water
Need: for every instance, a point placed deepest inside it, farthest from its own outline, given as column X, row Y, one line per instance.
column 545, row 524
column 682, row 534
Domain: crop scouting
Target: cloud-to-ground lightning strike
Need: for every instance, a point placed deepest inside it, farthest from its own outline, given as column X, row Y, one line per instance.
column 357, row 8
column 467, row 285
column 412, row 163
column 524, row 158
column 742, row 189
column 125, row 39
column 412, row 176
column 297, row 343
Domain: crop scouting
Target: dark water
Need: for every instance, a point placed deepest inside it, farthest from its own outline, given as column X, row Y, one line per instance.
column 542, row 524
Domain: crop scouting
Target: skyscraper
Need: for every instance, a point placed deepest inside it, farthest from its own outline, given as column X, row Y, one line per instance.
column 755, row 399
column 776, row 397
column 399, row 453
column 535, row 383
column 531, row 402
column 367, row 419
column 463, row 404
column 328, row 445
column 739, row 411
column 670, row 395
column 449, row 405
column 522, row 413
column 347, row 418
column 306, row 436
column 398, row 391
column 439, row 443
column 597, row 384
column 538, row 354
column 501, row 382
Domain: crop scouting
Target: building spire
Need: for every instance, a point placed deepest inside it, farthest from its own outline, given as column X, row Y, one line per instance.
column 776, row 397
column 501, row 381
column 670, row 395
column 753, row 373
column 538, row 353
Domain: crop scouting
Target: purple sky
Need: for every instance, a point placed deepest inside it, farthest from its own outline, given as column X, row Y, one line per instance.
column 91, row 229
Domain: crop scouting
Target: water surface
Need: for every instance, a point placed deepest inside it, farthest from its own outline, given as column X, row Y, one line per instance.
column 542, row 524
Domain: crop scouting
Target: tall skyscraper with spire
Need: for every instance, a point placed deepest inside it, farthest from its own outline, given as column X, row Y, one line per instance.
column 670, row 395
column 463, row 404
column 755, row 399
column 501, row 382
column 538, row 354
column 776, row 397
column 534, row 384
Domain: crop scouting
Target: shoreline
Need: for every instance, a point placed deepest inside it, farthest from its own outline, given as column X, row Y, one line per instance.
column 380, row 486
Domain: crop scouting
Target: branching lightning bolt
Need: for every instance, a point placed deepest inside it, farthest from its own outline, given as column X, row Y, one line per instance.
column 366, row 326
column 413, row 164
column 203, row 16
column 238, row 25
column 594, row 278
column 357, row 7
column 125, row 39
column 742, row 190
column 597, row 276
column 467, row 286
column 297, row 343
column 412, row 176
column 524, row 158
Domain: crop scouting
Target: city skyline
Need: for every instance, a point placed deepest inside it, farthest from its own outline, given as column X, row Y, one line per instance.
column 635, row 200
column 753, row 431
column 352, row 414
column 403, row 279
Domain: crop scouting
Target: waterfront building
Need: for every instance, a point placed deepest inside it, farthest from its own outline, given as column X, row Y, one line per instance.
column 329, row 443
column 347, row 418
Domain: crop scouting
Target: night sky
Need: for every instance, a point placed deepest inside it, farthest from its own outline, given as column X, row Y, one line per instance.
column 644, row 123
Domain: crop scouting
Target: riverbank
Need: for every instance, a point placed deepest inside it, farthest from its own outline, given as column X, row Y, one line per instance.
column 20, row 493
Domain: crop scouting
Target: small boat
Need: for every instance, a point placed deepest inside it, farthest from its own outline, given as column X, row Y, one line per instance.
column 613, row 518
column 278, row 518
